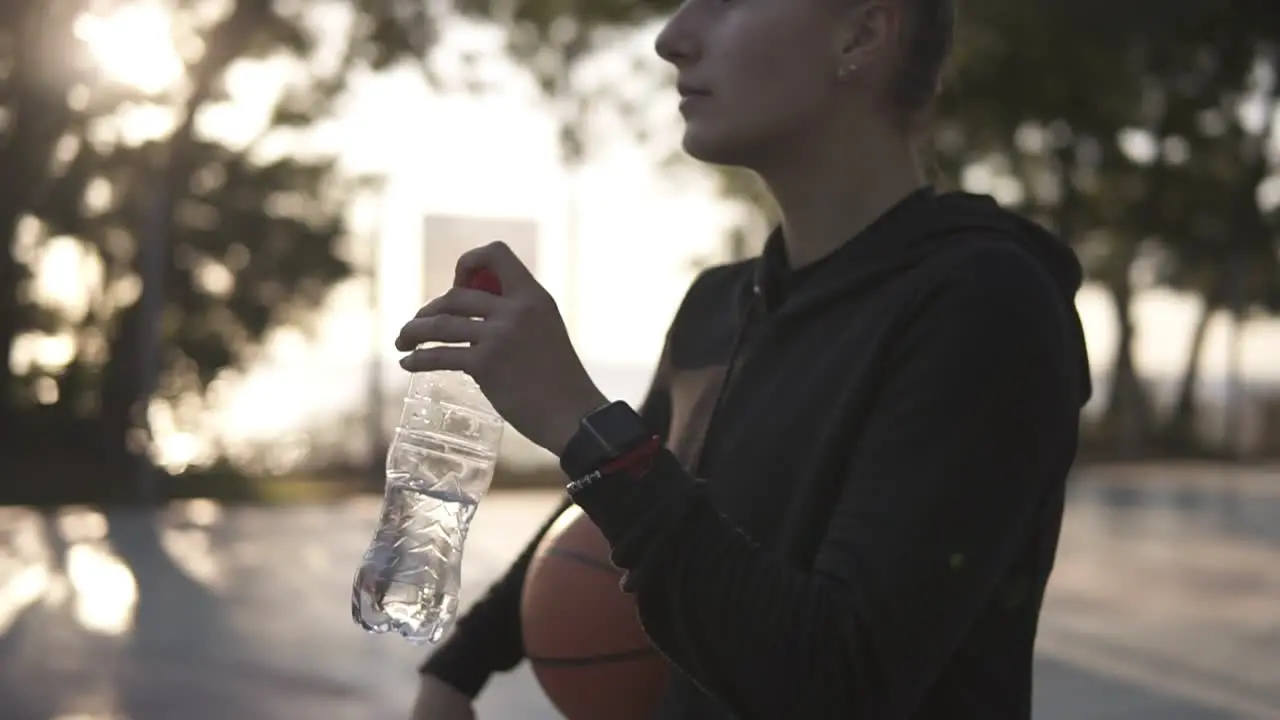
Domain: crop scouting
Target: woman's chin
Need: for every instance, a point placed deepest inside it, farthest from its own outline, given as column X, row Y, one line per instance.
column 711, row 147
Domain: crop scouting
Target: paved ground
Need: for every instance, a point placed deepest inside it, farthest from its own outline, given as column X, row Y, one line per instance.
column 1165, row 606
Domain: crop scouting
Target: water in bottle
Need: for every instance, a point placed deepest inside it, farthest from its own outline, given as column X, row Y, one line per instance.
column 439, row 466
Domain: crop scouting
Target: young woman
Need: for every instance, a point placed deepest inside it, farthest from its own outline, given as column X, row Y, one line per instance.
column 867, row 429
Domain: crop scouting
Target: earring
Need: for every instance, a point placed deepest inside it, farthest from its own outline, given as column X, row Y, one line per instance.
column 845, row 71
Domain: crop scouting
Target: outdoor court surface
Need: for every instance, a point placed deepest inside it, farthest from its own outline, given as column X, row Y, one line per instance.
column 1165, row 606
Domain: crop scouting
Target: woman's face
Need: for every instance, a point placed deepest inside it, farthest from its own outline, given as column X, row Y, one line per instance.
column 758, row 76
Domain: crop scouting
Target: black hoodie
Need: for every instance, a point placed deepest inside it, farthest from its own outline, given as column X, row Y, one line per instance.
column 882, row 440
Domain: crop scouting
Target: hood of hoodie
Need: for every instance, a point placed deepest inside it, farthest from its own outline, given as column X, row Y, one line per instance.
column 910, row 232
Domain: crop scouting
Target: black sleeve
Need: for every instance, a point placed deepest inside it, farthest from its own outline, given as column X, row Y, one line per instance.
column 975, row 419
column 488, row 638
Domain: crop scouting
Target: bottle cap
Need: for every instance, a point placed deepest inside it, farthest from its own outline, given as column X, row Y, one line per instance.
column 484, row 279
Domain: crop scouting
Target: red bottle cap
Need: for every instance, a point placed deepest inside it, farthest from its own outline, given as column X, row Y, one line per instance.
column 484, row 279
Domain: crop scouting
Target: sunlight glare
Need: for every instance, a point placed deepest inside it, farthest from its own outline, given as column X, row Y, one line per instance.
column 64, row 270
column 81, row 524
column 134, row 45
column 200, row 512
column 21, row 590
column 42, row 351
column 192, row 550
column 25, row 559
column 187, row 537
column 106, row 593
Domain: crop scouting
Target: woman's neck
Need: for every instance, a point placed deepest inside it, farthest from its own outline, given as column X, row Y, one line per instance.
column 828, row 197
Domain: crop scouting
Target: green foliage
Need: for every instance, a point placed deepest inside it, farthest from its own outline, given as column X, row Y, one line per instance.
column 252, row 237
column 1124, row 127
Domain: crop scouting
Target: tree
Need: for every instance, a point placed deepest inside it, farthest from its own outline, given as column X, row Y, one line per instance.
column 251, row 236
column 35, row 115
column 1225, row 245
column 1207, row 170
column 1041, row 110
column 1128, row 144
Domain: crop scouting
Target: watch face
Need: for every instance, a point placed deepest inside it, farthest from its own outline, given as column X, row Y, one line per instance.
column 617, row 428
column 605, row 435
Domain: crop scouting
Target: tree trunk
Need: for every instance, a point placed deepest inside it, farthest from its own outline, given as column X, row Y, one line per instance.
column 39, row 115
column 121, row 396
column 126, row 392
column 1180, row 431
column 1128, row 413
column 1233, row 407
column 10, row 273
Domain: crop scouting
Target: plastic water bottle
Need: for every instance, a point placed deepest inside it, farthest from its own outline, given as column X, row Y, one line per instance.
column 439, row 466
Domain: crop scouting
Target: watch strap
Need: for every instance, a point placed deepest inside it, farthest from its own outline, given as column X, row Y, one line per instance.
column 635, row 462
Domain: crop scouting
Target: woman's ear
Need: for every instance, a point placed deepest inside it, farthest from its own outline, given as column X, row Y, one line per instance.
column 867, row 32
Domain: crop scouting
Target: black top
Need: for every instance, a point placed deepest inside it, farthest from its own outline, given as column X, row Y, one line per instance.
column 882, row 478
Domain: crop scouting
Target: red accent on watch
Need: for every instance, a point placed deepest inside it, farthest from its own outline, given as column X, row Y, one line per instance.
column 636, row 462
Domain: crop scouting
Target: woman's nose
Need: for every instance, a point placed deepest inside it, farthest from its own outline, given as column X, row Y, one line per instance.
column 676, row 43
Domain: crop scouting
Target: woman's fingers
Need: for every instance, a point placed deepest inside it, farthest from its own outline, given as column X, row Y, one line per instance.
column 465, row 302
column 440, row 357
column 439, row 329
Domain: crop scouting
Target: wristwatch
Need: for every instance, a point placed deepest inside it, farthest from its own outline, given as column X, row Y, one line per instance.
column 602, row 437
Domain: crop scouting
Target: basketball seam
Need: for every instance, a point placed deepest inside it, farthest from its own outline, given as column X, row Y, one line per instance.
column 600, row 659
column 583, row 559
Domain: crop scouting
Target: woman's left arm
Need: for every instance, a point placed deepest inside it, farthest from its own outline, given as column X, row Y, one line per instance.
column 971, row 432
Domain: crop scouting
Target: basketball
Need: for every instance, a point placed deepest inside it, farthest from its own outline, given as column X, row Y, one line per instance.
column 581, row 633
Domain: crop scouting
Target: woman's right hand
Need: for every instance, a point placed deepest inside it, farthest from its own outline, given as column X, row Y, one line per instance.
column 437, row 700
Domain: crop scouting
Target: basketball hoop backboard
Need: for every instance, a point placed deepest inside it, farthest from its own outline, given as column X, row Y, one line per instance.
column 446, row 237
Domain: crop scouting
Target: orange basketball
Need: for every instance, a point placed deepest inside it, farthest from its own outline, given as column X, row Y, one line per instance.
column 581, row 633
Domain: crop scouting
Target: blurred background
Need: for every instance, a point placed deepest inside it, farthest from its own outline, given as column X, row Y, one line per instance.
column 219, row 212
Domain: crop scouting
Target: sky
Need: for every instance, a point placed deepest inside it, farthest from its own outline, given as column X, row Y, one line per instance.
column 636, row 227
